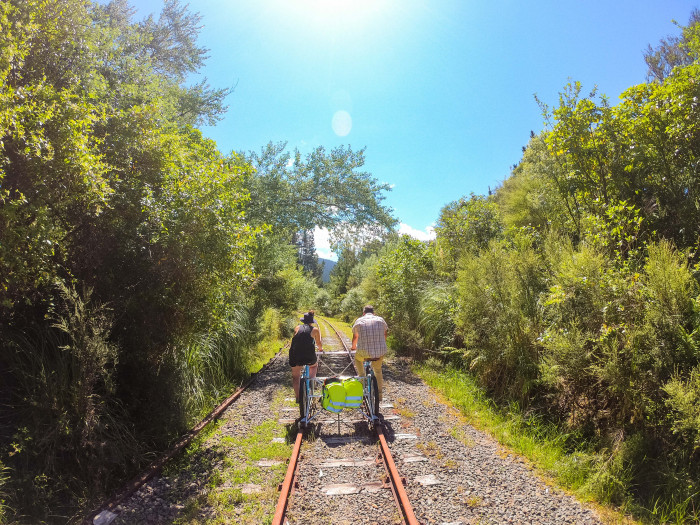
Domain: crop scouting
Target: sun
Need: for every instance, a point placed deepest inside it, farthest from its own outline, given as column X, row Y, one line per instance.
column 335, row 14
column 333, row 7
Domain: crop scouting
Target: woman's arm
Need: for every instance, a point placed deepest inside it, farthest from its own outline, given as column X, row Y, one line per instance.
column 316, row 334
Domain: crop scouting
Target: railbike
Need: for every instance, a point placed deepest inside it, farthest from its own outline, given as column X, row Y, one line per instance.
column 314, row 395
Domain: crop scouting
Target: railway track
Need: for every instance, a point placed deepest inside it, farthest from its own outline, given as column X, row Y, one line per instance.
column 455, row 474
column 342, row 463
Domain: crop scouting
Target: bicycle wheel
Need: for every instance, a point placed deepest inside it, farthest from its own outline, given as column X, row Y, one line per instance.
column 373, row 399
column 304, row 394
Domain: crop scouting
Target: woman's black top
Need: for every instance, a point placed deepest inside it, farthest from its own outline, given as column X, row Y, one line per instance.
column 303, row 348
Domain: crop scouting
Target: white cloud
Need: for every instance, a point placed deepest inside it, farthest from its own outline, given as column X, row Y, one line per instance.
column 323, row 244
column 422, row 235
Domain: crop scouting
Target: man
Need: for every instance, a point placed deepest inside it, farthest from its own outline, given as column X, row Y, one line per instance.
column 369, row 339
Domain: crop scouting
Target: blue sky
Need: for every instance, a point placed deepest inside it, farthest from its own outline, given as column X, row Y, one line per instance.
column 439, row 92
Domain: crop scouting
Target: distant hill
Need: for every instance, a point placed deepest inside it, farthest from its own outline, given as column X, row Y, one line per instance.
column 327, row 267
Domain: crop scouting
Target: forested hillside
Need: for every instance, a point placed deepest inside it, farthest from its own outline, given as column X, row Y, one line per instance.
column 571, row 292
column 143, row 273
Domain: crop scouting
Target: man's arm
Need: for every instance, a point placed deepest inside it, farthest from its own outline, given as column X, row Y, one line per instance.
column 355, row 337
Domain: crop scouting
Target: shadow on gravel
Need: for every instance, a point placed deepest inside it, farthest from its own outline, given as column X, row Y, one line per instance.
column 389, row 432
column 188, row 480
column 400, row 370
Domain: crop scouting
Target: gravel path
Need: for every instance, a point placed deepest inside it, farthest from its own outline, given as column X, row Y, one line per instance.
column 454, row 473
column 458, row 475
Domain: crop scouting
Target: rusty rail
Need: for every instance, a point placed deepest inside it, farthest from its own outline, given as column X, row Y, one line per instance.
column 400, row 496
column 287, row 484
column 396, row 479
column 158, row 465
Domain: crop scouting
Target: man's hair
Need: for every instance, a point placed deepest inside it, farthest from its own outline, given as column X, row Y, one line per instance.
column 369, row 309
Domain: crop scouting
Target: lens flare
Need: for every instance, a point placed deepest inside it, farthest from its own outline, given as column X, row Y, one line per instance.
column 342, row 123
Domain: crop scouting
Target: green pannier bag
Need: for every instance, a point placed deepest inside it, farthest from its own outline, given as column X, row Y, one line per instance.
column 333, row 395
column 353, row 392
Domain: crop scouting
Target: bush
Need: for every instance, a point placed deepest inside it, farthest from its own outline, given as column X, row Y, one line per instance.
column 352, row 304
column 323, row 303
column 63, row 399
column 498, row 316
column 436, row 313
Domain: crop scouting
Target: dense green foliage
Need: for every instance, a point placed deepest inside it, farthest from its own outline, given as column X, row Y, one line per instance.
column 139, row 267
column 572, row 291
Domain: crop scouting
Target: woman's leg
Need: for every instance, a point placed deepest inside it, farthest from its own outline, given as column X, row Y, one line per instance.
column 296, row 374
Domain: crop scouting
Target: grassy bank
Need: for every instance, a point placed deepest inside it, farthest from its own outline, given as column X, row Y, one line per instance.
column 557, row 456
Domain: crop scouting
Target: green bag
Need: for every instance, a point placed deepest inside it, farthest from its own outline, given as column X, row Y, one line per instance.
column 353, row 392
column 333, row 395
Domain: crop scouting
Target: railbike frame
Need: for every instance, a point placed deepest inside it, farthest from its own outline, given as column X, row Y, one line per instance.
column 311, row 391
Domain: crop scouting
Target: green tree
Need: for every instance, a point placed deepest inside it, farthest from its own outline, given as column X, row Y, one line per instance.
column 466, row 226
column 400, row 272
column 106, row 186
column 672, row 51
column 325, row 189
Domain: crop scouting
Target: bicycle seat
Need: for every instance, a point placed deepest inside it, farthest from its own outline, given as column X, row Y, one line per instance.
column 371, row 359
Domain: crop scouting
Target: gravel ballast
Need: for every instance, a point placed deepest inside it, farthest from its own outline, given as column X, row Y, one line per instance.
column 454, row 474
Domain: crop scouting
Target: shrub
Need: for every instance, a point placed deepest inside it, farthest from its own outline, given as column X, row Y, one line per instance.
column 498, row 317
column 352, row 304
column 323, row 303
column 436, row 313
column 70, row 439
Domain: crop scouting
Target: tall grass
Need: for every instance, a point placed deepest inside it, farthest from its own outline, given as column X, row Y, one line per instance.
column 4, row 477
column 66, row 432
column 215, row 363
column 68, row 438
column 563, row 456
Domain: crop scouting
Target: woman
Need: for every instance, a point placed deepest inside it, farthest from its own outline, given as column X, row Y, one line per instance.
column 302, row 351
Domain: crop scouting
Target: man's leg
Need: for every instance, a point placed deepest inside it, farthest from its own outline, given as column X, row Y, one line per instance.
column 377, row 367
column 360, row 357
column 360, row 362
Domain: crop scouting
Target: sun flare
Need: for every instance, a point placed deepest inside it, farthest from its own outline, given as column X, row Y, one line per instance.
column 333, row 14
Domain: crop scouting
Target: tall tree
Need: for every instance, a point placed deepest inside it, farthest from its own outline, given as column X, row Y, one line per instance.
column 324, row 189
column 306, row 250
column 671, row 52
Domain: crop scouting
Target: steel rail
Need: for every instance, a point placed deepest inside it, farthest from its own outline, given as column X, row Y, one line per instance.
column 287, row 484
column 398, row 490
column 340, row 338
column 396, row 480
column 185, row 440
